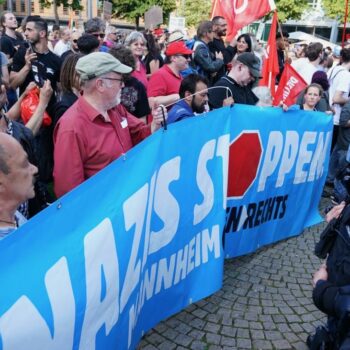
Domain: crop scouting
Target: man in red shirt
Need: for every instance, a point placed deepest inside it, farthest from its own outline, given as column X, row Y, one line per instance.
column 163, row 87
column 96, row 129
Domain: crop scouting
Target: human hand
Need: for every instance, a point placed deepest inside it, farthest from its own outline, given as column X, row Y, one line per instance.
column 157, row 113
column 29, row 87
column 229, row 101
column 320, row 274
column 219, row 55
column 45, row 92
column 283, row 106
column 29, row 57
column 335, row 212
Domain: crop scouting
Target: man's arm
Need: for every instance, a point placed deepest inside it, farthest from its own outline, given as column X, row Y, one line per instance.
column 18, row 76
column 163, row 100
column 339, row 98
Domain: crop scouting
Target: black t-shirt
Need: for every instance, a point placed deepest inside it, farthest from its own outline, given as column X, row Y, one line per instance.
column 134, row 98
column 9, row 45
column 149, row 58
column 218, row 45
column 46, row 66
column 240, row 94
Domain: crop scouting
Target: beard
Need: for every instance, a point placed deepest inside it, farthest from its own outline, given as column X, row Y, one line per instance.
column 196, row 107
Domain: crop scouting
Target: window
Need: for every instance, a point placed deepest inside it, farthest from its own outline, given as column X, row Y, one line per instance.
column 23, row 6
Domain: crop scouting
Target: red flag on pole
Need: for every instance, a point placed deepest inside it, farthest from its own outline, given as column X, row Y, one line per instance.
column 270, row 65
column 290, row 86
column 239, row 13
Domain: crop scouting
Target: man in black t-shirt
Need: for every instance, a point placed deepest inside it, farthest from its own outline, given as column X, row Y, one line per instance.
column 218, row 45
column 37, row 63
column 237, row 84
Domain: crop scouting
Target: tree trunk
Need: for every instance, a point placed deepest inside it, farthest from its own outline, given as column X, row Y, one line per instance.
column 137, row 22
column 55, row 10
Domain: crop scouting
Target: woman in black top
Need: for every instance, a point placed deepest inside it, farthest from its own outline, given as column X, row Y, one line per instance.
column 153, row 60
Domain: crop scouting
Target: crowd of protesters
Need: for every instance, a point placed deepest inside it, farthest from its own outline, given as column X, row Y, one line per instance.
column 93, row 94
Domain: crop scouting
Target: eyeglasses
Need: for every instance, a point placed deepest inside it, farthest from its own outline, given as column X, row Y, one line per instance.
column 184, row 56
column 75, row 41
column 99, row 35
column 121, row 80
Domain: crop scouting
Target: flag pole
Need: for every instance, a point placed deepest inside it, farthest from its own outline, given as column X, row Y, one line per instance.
column 282, row 37
column 345, row 20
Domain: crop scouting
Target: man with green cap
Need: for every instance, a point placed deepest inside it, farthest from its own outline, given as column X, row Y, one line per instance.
column 96, row 129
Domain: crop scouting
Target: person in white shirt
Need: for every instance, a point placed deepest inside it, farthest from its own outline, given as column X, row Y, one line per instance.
column 63, row 44
column 307, row 66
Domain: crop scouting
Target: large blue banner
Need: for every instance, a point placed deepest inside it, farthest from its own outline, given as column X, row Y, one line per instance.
column 143, row 238
column 126, row 249
column 277, row 169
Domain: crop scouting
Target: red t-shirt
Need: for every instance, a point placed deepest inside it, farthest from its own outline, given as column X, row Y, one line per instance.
column 164, row 82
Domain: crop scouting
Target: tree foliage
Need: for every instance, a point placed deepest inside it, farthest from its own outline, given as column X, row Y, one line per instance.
column 195, row 11
column 334, row 9
column 72, row 4
column 135, row 9
column 290, row 9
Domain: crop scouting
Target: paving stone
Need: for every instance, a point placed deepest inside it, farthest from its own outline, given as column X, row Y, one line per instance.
column 244, row 343
column 255, row 334
column 183, row 340
column 198, row 345
column 213, row 338
column 281, row 344
column 262, row 344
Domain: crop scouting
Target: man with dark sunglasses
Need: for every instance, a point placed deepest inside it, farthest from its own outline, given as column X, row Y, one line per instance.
column 96, row 27
column 163, row 87
column 205, row 62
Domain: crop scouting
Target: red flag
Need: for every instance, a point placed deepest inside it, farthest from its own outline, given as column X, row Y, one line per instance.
column 290, row 86
column 239, row 13
column 270, row 66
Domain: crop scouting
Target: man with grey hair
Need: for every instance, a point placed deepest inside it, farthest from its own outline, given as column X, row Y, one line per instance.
column 206, row 63
column 17, row 177
column 96, row 129
column 96, row 27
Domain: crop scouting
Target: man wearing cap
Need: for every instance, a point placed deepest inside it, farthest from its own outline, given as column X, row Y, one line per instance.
column 163, row 87
column 237, row 84
column 96, row 129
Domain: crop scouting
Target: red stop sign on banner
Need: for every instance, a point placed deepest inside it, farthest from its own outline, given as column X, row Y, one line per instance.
column 244, row 159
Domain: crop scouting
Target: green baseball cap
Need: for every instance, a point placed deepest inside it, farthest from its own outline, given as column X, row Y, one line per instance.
column 96, row 64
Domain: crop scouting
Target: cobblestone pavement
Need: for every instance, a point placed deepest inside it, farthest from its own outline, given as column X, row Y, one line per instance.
column 265, row 303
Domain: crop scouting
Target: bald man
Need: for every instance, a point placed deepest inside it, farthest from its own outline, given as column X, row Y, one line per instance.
column 17, row 177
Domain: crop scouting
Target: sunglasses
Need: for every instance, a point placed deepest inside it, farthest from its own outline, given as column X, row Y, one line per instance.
column 75, row 41
column 184, row 56
column 99, row 35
